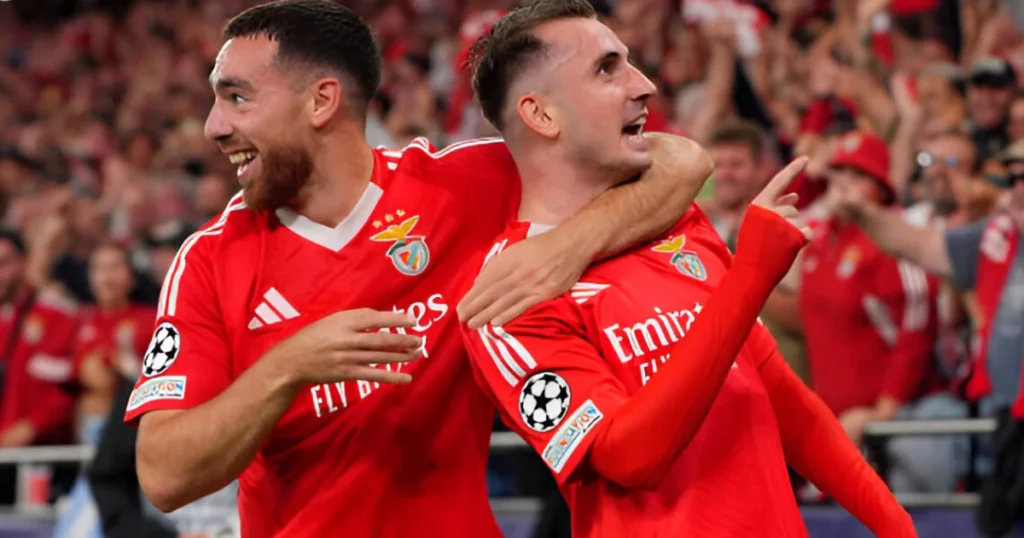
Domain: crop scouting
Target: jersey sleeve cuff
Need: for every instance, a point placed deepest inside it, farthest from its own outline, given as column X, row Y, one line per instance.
column 156, row 394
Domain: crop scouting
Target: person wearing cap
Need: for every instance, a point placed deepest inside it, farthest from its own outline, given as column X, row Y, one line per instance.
column 986, row 257
column 869, row 323
column 989, row 91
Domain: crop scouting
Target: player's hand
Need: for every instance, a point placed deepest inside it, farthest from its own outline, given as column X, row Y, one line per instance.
column 345, row 345
column 784, row 205
column 523, row 275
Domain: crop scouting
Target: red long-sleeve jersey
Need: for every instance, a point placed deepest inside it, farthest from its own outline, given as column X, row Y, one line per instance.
column 869, row 320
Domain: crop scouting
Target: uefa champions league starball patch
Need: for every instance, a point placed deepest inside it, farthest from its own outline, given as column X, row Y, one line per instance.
column 544, row 401
column 163, row 350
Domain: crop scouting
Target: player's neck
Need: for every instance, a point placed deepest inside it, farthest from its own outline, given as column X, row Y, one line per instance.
column 555, row 189
column 341, row 175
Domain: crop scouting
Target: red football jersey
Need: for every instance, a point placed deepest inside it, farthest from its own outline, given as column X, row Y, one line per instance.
column 38, row 362
column 354, row 458
column 558, row 371
column 869, row 320
column 120, row 338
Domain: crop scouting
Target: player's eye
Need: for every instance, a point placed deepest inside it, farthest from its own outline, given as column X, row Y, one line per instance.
column 237, row 98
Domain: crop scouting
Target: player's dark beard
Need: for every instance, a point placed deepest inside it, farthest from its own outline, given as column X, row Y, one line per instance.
column 284, row 173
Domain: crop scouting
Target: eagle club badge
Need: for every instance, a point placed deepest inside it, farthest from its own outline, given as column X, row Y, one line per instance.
column 409, row 253
column 685, row 261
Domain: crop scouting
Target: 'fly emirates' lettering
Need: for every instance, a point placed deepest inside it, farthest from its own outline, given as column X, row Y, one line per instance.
column 650, row 338
column 330, row 398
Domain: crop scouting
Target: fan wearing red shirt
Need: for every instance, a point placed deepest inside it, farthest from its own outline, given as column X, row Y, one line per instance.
column 306, row 340
column 658, row 403
column 113, row 335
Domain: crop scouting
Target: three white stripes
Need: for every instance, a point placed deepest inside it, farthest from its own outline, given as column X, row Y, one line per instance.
column 169, row 294
column 583, row 291
column 509, row 355
column 272, row 309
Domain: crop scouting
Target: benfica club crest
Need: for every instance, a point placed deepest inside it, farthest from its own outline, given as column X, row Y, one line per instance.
column 685, row 261
column 409, row 253
column 848, row 261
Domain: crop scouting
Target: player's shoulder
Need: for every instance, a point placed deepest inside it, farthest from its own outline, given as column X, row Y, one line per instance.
column 470, row 158
column 234, row 221
column 512, row 234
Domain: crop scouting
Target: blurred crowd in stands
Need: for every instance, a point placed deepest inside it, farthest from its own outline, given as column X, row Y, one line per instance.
column 104, row 172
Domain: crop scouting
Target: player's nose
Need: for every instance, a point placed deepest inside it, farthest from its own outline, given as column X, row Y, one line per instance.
column 641, row 87
column 216, row 128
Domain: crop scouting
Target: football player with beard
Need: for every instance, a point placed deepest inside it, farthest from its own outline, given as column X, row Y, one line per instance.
column 307, row 340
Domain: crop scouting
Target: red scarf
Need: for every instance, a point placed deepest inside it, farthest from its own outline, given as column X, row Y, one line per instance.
column 996, row 254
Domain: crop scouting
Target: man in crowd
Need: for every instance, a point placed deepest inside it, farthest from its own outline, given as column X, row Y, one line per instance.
column 660, row 405
column 290, row 328
column 985, row 257
column 737, row 150
column 989, row 91
column 37, row 332
column 870, row 325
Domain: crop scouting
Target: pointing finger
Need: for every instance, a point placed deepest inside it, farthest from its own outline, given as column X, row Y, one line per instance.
column 781, row 181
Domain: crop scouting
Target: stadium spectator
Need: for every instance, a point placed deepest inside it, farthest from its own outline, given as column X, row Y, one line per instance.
column 111, row 342
column 737, row 150
column 37, row 332
column 870, row 325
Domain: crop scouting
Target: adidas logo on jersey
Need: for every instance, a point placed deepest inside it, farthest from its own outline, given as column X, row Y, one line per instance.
column 583, row 291
column 273, row 309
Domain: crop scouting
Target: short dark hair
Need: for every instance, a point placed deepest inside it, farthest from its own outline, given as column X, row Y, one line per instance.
column 740, row 133
column 505, row 52
column 318, row 34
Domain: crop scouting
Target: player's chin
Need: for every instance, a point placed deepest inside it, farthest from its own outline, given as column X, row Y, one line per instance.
column 635, row 161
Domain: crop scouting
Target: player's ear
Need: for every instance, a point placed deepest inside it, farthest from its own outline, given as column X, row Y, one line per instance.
column 538, row 115
column 326, row 96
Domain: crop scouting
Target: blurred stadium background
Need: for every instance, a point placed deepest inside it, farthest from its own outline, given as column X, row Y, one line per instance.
column 102, row 105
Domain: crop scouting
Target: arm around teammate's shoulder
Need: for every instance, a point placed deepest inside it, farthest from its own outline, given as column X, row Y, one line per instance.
column 631, row 214
column 545, row 266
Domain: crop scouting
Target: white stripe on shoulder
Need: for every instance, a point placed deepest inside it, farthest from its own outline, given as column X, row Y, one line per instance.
column 423, row 145
column 172, row 282
column 510, row 356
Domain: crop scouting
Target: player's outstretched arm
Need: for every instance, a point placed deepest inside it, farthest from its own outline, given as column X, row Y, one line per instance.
column 184, row 455
column 625, row 216
column 647, row 435
column 818, row 448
